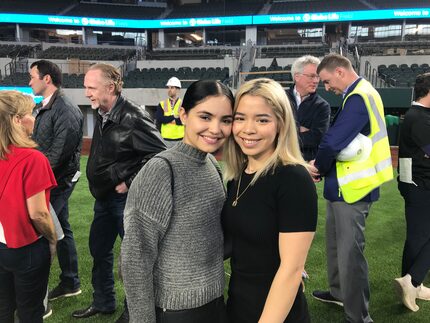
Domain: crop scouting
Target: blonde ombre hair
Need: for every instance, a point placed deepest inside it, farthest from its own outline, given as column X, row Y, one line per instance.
column 287, row 150
column 14, row 104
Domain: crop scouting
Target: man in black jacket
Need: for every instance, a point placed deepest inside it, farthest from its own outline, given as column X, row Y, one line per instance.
column 124, row 139
column 312, row 112
column 58, row 132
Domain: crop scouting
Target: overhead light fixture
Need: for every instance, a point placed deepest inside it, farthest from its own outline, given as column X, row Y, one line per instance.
column 196, row 37
column 66, row 32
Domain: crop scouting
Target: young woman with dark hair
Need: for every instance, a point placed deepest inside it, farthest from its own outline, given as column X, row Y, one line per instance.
column 172, row 252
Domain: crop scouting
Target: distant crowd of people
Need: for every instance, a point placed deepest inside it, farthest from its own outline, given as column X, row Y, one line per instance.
column 158, row 187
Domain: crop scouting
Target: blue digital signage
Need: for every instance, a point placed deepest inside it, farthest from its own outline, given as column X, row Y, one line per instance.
column 342, row 16
column 125, row 23
column 217, row 21
column 24, row 89
column 200, row 22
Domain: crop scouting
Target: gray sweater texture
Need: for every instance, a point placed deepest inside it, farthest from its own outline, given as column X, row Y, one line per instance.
column 172, row 252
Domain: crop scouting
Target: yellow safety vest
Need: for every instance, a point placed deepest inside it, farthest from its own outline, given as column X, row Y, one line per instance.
column 358, row 178
column 171, row 130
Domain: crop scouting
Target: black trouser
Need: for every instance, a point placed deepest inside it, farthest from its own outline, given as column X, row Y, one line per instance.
column 212, row 312
column 106, row 226
column 416, row 252
column 24, row 276
column 66, row 249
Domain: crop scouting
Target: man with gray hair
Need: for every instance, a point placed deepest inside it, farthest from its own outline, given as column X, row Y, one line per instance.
column 125, row 137
column 312, row 112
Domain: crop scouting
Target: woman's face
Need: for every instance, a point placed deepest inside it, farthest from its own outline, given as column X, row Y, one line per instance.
column 208, row 124
column 255, row 127
column 27, row 123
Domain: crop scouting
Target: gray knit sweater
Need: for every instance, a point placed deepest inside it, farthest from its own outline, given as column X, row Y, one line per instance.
column 172, row 252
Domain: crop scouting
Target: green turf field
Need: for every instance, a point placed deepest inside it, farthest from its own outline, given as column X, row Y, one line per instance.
column 385, row 237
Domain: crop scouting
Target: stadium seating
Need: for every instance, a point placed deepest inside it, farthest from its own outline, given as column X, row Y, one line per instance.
column 81, row 8
column 73, row 81
column 37, row 7
column 17, row 50
column 16, row 79
column 87, row 53
column 22, row 79
column 283, row 7
column 111, row 11
column 294, row 50
column 145, row 78
column 390, row 48
column 189, row 53
column 277, row 73
column 388, row 4
column 156, row 77
column 224, row 8
column 401, row 75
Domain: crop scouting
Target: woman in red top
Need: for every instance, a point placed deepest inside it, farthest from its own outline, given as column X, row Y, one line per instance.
column 27, row 234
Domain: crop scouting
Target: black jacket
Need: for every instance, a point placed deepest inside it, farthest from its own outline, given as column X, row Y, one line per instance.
column 314, row 114
column 414, row 144
column 121, row 147
column 58, row 132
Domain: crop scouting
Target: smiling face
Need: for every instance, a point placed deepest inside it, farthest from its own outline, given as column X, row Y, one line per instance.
column 99, row 90
column 255, row 128
column 208, row 124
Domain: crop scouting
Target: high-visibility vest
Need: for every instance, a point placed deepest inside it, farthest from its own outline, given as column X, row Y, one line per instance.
column 171, row 130
column 358, row 178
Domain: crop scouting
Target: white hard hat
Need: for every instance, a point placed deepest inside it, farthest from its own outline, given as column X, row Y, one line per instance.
column 174, row 81
column 359, row 149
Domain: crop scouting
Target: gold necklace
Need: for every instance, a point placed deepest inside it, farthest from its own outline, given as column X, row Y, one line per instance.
column 237, row 192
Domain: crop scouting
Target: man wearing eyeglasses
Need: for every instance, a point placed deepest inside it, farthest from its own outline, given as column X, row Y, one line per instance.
column 311, row 111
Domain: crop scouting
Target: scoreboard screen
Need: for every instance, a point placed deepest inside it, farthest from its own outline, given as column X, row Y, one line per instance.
column 24, row 89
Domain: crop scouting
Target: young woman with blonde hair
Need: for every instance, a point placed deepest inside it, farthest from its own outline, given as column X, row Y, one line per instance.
column 270, row 213
column 27, row 234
